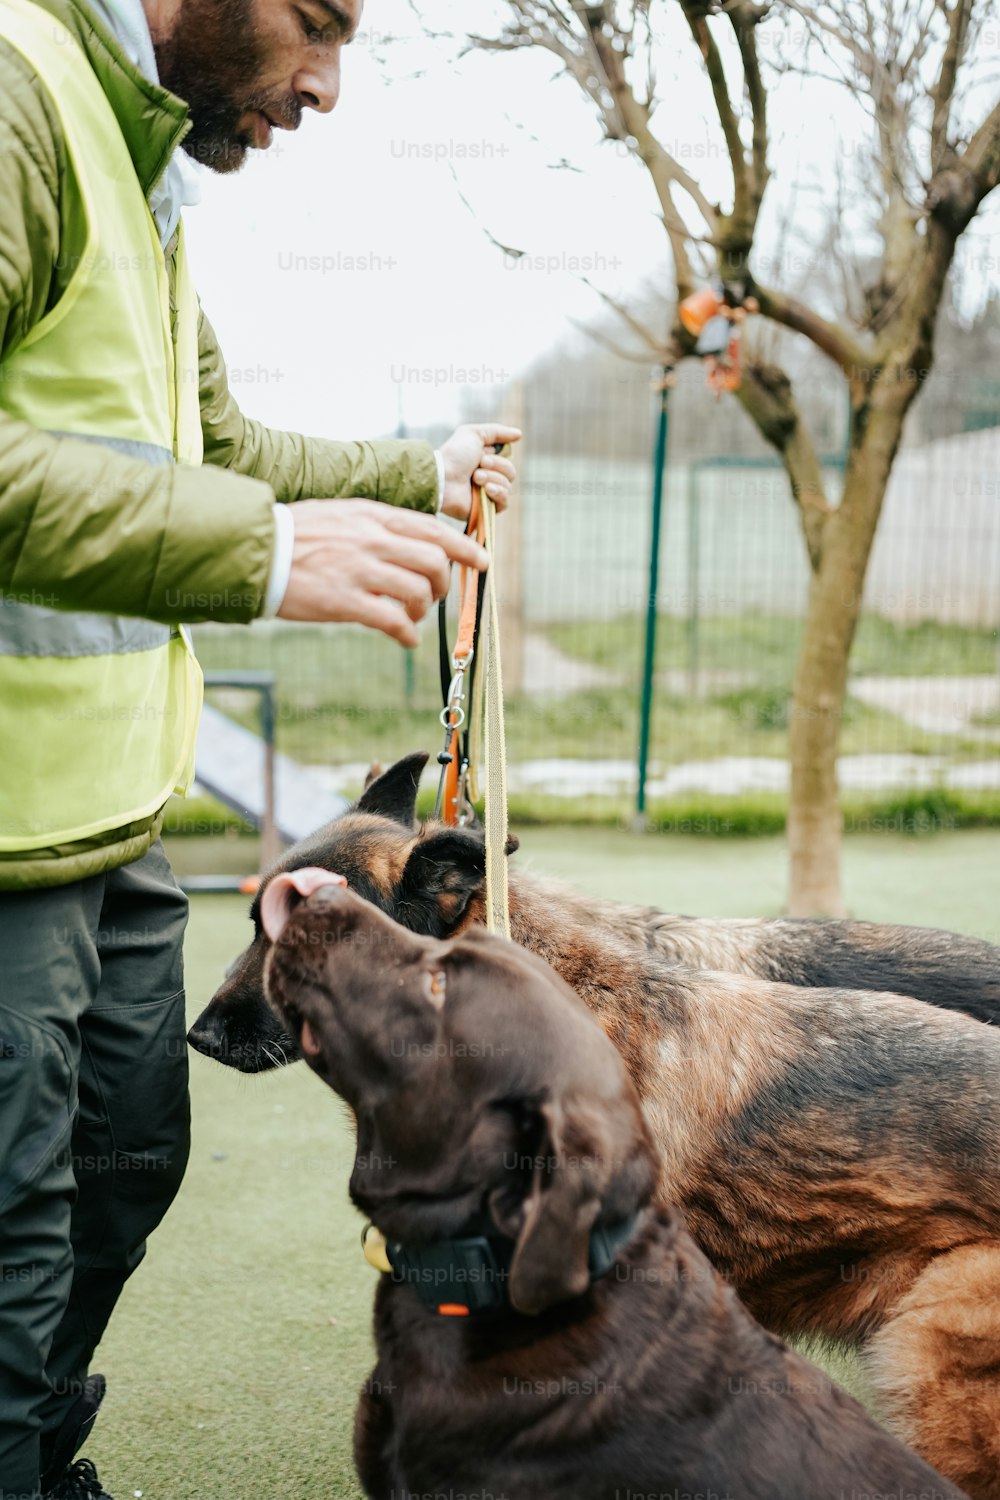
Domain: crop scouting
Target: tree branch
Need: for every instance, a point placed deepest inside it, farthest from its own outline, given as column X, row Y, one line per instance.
column 742, row 214
column 655, row 346
column 957, row 189
column 835, row 342
column 745, row 18
column 599, row 337
column 943, row 92
column 765, row 393
column 981, row 156
column 665, row 171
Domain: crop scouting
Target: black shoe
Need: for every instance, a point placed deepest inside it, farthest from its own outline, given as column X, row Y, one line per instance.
column 59, row 1448
column 78, row 1482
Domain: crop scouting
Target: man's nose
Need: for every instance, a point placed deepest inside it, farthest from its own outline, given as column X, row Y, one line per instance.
column 317, row 85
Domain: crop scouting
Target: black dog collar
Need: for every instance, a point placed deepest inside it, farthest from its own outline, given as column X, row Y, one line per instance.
column 457, row 1278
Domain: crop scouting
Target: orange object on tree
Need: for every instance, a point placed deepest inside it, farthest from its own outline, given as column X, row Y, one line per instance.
column 695, row 311
column 723, row 372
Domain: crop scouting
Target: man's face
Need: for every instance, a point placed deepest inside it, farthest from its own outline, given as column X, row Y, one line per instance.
column 245, row 67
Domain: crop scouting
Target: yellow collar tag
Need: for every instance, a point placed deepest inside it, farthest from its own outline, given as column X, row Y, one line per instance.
column 373, row 1244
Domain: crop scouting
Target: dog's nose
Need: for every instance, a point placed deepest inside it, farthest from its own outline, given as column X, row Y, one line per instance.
column 206, row 1040
column 283, row 893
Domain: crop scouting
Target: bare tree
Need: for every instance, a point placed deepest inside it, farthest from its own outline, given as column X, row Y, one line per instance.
column 910, row 65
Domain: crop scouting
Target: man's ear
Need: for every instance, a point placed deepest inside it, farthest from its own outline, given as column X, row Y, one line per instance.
column 571, row 1169
column 443, row 873
column 394, row 793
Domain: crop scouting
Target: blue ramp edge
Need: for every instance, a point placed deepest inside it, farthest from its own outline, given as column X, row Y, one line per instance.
column 229, row 764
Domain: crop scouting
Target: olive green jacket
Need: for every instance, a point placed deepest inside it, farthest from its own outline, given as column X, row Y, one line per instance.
column 101, row 531
column 93, row 529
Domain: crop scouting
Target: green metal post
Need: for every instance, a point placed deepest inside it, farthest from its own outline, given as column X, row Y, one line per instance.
column 649, row 656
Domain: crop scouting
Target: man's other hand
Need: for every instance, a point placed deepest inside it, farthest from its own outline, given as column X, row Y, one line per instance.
column 359, row 560
column 469, row 459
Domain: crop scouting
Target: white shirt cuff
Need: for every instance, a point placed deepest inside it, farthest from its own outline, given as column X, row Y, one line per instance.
column 439, row 460
column 281, row 562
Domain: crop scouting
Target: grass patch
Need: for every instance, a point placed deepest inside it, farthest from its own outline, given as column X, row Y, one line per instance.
column 767, row 646
column 764, row 814
column 917, row 813
column 746, row 815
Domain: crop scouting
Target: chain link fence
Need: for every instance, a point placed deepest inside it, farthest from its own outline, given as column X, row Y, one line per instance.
column 923, row 708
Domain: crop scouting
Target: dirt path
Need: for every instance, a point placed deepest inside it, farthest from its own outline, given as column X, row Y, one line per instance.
column 938, row 705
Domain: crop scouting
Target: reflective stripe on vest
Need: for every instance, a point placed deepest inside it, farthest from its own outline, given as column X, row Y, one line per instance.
column 37, row 630
column 98, row 713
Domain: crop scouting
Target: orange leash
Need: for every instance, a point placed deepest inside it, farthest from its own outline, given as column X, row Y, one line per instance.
column 451, row 791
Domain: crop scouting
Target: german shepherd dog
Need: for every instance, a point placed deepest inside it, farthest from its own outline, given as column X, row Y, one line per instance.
column 836, row 1151
column 542, row 1331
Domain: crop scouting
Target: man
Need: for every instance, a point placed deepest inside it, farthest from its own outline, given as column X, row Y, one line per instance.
column 134, row 497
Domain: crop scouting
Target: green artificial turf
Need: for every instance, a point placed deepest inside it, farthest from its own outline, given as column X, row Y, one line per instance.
column 237, row 1350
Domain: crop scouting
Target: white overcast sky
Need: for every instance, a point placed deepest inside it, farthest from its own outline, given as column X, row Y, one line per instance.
column 346, row 278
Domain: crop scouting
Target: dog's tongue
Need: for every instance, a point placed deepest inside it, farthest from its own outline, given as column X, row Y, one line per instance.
column 278, row 900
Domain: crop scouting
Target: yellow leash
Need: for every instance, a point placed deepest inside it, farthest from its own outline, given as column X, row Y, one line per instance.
column 490, row 685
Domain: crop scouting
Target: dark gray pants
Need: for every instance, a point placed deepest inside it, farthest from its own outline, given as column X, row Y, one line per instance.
column 94, row 1126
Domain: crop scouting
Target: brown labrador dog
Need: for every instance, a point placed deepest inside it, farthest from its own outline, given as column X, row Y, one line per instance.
column 836, row 1153
column 499, row 1135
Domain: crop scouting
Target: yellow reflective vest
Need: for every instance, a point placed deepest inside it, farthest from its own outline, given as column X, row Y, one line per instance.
column 98, row 713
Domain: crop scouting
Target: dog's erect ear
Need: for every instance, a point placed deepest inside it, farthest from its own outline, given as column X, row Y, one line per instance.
column 394, row 793
column 444, row 871
column 373, row 773
column 475, row 824
column 571, row 1170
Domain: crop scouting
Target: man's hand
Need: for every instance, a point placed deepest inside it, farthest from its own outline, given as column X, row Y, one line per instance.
column 354, row 559
column 469, row 459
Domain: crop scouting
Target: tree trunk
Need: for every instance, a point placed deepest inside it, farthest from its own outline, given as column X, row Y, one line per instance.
column 815, row 821
column 814, row 817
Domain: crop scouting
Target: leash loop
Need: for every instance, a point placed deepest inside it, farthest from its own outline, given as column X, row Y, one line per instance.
column 454, row 808
column 452, row 717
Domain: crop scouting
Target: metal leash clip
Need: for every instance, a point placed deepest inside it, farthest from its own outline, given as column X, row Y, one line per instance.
column 453, row 716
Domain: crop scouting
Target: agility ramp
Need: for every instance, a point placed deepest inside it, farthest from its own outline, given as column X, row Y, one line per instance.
column 231, row 765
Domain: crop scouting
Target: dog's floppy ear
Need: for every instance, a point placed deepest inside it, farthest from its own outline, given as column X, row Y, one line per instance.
column 394, row 793
column 570, row 1172
column 444, row 871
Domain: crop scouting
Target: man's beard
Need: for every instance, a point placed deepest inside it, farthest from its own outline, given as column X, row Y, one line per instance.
column 213, row 60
